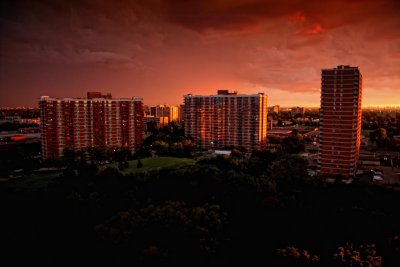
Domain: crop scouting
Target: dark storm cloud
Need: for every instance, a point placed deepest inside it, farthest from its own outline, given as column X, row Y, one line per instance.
column 231, row 15
column 74, row 22
column 70, row 31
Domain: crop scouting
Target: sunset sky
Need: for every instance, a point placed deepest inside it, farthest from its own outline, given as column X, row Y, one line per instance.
column 160, row 50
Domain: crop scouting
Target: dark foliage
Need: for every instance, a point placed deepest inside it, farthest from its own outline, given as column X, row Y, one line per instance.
column 219, row 212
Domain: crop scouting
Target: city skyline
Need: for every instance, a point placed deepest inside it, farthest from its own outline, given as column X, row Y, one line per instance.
column 163, row 50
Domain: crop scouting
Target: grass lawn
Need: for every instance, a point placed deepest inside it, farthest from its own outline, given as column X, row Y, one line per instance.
column 153, row 163
column 30, row 182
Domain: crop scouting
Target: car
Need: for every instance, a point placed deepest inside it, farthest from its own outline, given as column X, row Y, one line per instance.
column 377, row 171
column 377, row 178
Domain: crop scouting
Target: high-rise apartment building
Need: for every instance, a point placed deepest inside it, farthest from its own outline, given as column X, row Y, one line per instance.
column 181, row 113
column 340, row 120
column 173, row 113
column 226, row 119
column 97, row 121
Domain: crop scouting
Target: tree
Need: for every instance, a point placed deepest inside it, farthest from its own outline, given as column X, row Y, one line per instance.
column 160, row 147
column 382, row 139
column 372, row 137
column 94, row 154
column 69, row 156
column 363, row 255
column 188, row 146
column 294, row 143
column 236, row 153
column 86, row 170
column 120, row 155
column 176, row 149
column 288, row 172
column 139, row 164
column 152, row 127
column 177, row 226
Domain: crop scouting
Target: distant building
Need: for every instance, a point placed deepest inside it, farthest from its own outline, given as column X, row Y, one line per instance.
column 150, row 119
column 226, row 119
column 170, row 112
column 274, row 109
column 19, row 120
column 173, row 113
column 159, row 111
column 340, row 120
column 297, row 111
column 91, row 95
column 163, row 121
column 146, row 110
column 78, row 123
column 270, row 124
column 181, row 113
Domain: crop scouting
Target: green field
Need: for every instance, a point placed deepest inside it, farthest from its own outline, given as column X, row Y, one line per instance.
column 31, row 182
column 36, row 181
column 153, row 164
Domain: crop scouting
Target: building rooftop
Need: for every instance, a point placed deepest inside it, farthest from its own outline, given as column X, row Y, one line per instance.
column 224, row 93
column 341, row 67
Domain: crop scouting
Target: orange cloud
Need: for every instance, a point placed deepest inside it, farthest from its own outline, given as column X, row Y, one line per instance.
column 297, row 16
column 313, row 30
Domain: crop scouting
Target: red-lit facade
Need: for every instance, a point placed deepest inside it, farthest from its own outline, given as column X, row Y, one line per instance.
column 94, row 122
column 227, row 119
column 340, row 120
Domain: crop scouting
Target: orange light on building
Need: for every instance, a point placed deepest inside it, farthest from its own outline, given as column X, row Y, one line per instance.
column 18, row 138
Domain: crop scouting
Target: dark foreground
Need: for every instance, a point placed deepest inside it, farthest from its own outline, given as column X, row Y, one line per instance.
column 218, row 212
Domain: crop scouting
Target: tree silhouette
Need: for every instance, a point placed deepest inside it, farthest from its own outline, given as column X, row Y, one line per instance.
column 139, row 164
column 294, row 143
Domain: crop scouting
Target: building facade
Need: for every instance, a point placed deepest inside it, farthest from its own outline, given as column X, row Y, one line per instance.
column 340, row 120
column 226, row 119
column 78, row 123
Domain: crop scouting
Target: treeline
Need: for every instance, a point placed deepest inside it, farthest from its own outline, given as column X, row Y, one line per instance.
column 384, row 139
